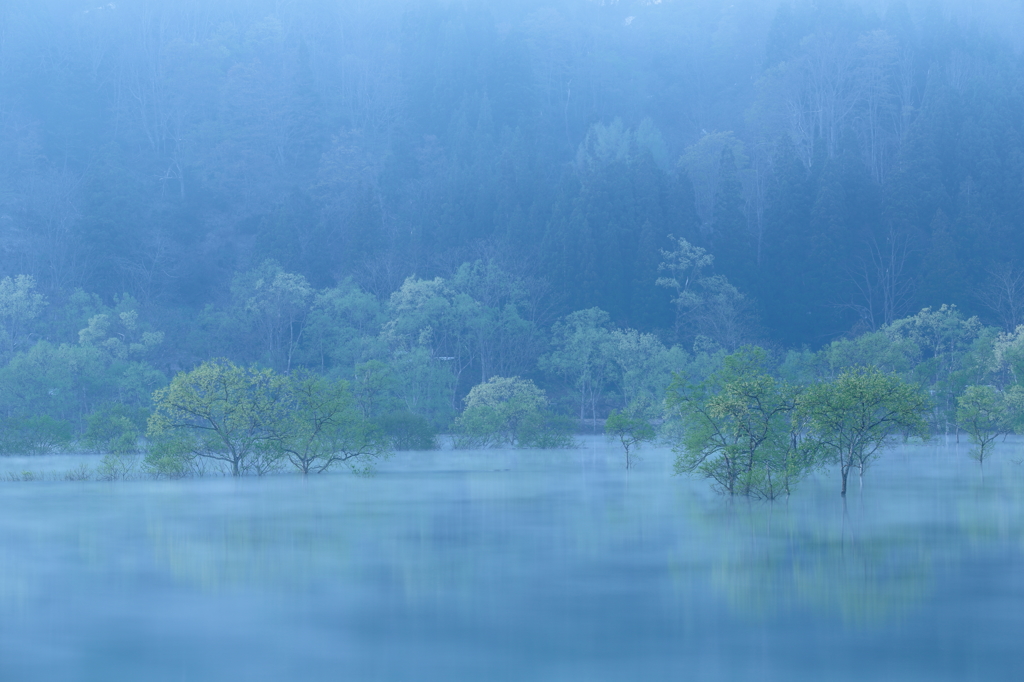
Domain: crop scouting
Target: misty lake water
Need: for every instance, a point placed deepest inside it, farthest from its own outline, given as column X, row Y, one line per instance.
column 516, row 565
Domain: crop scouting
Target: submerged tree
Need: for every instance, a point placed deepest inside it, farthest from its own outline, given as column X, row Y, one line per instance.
column 986, row 414
column 324, row 427
column 222, row 412
column 509, row 411
column 853, row 418
column 631, row 430
column 738, row 429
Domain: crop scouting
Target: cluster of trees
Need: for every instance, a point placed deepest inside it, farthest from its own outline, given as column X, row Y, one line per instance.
column 68, row 373
column 756, row 435
column 415, row 361
column 486, row 218
column 756, row 424
column 255, row 420
column 846, row 164
column 471, row 356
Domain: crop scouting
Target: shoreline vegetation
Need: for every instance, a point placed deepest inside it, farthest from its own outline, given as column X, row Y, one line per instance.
column 306, row 239
column 751, row 420
column 113, row 468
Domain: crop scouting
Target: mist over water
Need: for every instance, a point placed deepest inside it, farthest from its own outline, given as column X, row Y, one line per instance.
column 516, row 565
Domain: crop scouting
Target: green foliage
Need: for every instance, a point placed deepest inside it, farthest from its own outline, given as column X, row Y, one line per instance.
column 408, row 431
column 68, row 382
column 272, row 305
column 937, row 349
column 439, row 333
column 323, row 426
column 254, row 163
column 35, row 435
column 837, row 210
column 630, row 430
column 853, row 418
column 118, row 466
column 1008, row 354
column 114, row 429
column 642, row 367
column 256, row 421
column 546, row 430
column 503, row 341
column 495, row 412
column 339, row 327
column 879, row 349
column 424, row 384
column 430, row 339
column 986, row 414
column 119, row 333
column 59, row 381
column 479, row 427
column 507, row 411
column 944, row 340
column 221, row 412
column 739, row 429
column 707, row 306
column 579, row 356
column 375, row 389
column 171, row 456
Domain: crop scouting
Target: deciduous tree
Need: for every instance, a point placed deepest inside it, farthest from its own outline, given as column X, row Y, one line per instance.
column 223, row 412
column 323, row 426
column 630, row 430
column 853, row 418
column 986, row 414
column 739, row 429
column 580, row 357
column 507, row 411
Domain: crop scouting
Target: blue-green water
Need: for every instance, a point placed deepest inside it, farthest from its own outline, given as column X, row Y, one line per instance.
column 516, row 565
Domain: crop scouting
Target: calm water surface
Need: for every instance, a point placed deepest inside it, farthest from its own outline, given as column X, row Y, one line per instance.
column 516, row 565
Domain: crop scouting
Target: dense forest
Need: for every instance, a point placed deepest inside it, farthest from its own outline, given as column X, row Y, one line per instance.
column 418, row 197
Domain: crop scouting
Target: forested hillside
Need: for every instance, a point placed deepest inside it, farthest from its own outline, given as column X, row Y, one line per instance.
column 461, row 190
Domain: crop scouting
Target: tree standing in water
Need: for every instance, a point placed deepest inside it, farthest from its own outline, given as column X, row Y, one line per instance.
column 739, row 429
column 853, row 417
column 986, row 413
column 324, row 427
column 220, row 411
column 631, row 429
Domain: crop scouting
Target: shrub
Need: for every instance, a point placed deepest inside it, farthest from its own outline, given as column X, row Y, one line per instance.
column 480, row 426
column 510, row 411
column 117, row 467
column 169, row 459
column 39, row 435
column 114, row 429
column 82, row 472
column 547, row 430
column 408, row 431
